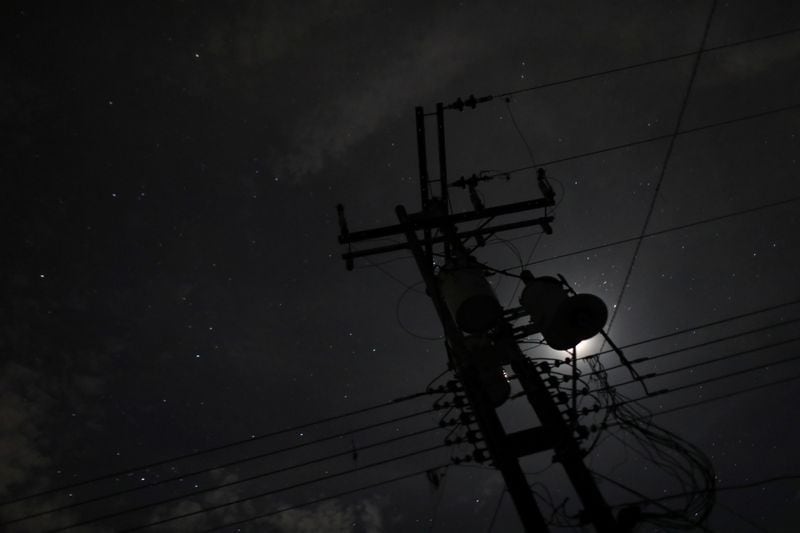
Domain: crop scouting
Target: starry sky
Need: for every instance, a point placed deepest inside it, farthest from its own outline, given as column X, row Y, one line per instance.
column 172, row 279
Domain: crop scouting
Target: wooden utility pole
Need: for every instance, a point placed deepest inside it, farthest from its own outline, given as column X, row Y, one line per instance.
column 554, row 432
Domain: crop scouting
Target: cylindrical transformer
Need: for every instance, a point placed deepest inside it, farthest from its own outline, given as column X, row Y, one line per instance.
column 496, row 385
column 470, row 298
column 486, row 358
column 563, row 320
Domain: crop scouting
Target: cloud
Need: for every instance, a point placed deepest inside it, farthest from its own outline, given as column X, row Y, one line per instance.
column 331, row 516
column 24, row 410
column 26, row 414
column 349, row 115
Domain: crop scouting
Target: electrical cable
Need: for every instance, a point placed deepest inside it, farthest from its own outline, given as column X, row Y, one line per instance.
column 668, row 512
column 162, row 462
column 659, row 232
column 724, row 488
column 496, row 512
column 438, row 377
column 400, row 323
column 647, row 63
column 743, row 118
column 326, row 498
column 273, row 491
column 185, row 475
column 392, row 276
column 665, row 391
column 740, row 516
column 729, row 395
column 254, row 477
column 664, row 166
column 696, row 327
column 519, row 131
column 721, row 397
column 702, row 344
column 708, row 362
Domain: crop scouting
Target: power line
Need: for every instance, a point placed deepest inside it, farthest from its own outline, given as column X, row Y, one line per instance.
column 702, row 363
column 326, row 498
column 663, row 392
column 667, row 510
column 250, row 478
column 197, row 453
column 659, row 232
column 664, row 165
column 694, row 346
column 717, row 398
column 273, row 491
column 759, row 483
column 633, row 344
column 647, row 140
column 496, row 512
column 697, row 327
column 224, row 465
column 646, row 63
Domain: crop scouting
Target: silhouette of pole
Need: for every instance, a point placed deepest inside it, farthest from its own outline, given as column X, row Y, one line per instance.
column 486, row 416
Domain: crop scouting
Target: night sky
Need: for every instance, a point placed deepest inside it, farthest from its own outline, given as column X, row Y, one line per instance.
column 172, row 280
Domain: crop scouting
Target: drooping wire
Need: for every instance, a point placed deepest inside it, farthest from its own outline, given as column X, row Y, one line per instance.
column 697, row 327
column 269, row 492
column 213, row 488
column 662, row 232
column 706, row 381
column 709, row 343
column 718, row 360
column 647, row 140
column 162, row 462
column 647, row 63
column 262, row 455
column 723, row 488
column 726, row 396
column 400, row 323
column 496, row 512
column 507, row 101
column 325, row 498
column 664, row 166
column 668, row 518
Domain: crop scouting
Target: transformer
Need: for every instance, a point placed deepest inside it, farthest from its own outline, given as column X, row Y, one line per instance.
column 470, row 298
column 564, row 320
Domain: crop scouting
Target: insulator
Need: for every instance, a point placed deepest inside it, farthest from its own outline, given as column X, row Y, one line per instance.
column 562, row 397
column 480, row 456
column 582, row 432
column 552, row 381
column 543, row 367
column 544, row 184
column 454, row 386
column 467, row 418
column 474, row 436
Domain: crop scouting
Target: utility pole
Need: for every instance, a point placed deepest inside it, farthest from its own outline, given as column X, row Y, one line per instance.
column 480, row 337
